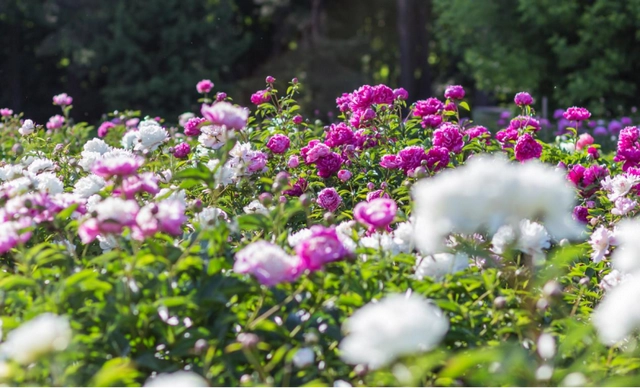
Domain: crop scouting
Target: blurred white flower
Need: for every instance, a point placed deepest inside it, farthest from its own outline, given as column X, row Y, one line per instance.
column 397, row 325
column 618, row 314
column 626, row 257
column 176, row 195
column 88, row 185
column 150, row 135
column 256, row 207
column 299, row 236
column 129, row 140
column 39, row 165
column 10, row 172
column 575, row 379
column 177, row 379
column 107, row 243
column 42, row 335
column 27, row 128
column 487, row 193
column 546, row 346
column 600, row 240
column 209, row 216
column 303, row 358
column 438, row 265
column 533, row 239
column 49, row 182
column 612, row 279
column 97, row 145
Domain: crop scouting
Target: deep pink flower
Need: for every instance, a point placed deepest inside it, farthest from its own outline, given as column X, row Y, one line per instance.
column 523, row 98
column 278, row 144
column 204, row 86
column 524, row 122
column 400, row 94
column 454, row 92
column 411, row 157
column 55, row 122
column 329, row 165
column 120, row 166
column 329, row 199
column 344, row 175
column 431, row 121
column 576, row 174
column 339, row 134
column 62, row 99
column 450, row 107
column 576, row 114
column 580, row 214
column 362, row 98
column 104, row 128
column 426, row 107
column 297, row 189
column 192, row 126
column 391, row 161
column 593, row 152
column 304, row 151
column 182, row 150
column 584, row 140
column 270, row 79
column 297, row 119
column 133, row 184
column 437, row 158
column 527, row 148
column 4, row 112
column 293, row 162
column 382, row 94
column 362, row 118
column 594, row 174
column 377, row 213
column 224, row 113
column 321, row 248
column 220, row 96
column 506, row 137
column 261, row 96
column 377, row 194
column 477, row 131
column 448, row 136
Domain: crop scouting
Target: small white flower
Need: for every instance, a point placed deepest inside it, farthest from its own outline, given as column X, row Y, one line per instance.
column 42, row 335
column 49, row 182
column 256, row 207
column 117, row 209
column 546, row 346
column 623, row 205
column 177, row 379
column 97, row 145
column 27, row 128
column 575, row 379
column 303, row 358
column 150, row 135
column 92, row 201
column 39, row 165
column 224, row 175
column 533, row 239
column 213, row 137
column 210, row 215
column 129, row 140
column 438, row 265
column 397, row 325
column 600, row 240
column 89, row 185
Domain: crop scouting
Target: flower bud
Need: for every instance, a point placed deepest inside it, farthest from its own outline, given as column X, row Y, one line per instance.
column 303, row 358
column 248, row 340
column 552, row 289
column 500, row 302
column 266, row 199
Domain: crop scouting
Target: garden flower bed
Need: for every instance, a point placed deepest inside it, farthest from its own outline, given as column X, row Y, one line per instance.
column 398, row 245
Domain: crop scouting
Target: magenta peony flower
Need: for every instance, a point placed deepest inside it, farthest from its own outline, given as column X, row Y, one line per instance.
column 297, row 189
column 391, row 161
column 192, row 126
column 454, row 92
column 339, row 134
column 257, row 162
column 523, row 99
column 426, row 107
column 220, row 96
column 344, row 175
column 270, row 79
column 477, row 131
column 593, row 152
column 377, row 213
column 224, row 113
column 322, row 247
column 431, row 121
column 506, row 137
column 269, row 263
column 278, row 144
column 329, row 199
column 120, row 166
column 55, row 122
column 315, row 152
column 448, row 136
column 411, row 158
column 524, row 122
column 204, row 86
column 261, row 96
column 580, row 214
column 382, row 94
column 297, row 119
column 527, row 148
column 104, row 128
column 5, row 112
column 576, row 114
column 584, row 140
column 62, row 99
column 437, row 158
column 576, row 174
column 293, row 162
column 400, row 94
column 182, row 150
column 377, row 194
column 133, row 184
column 329, row 165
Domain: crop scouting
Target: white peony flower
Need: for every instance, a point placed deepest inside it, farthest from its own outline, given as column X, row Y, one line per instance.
column 224, row 175
column 89, row 185
column 256, row 207
column 397, row 325
column 107, row 243
column 97, row 145
column 487, row 193
column 344, row 230
column 623, row 206
column 27, row 128
column 39, row 165
column 600, row 240
column 42, row 335
column 296, row 238
column 438, row 265
column 117, row 209
column 177, row 379
column 613, row 279
column 619, row 186
column 626, row 258
column 546, row 346
column 92, row 201
column 210, row 215
column 129, row 140
column 303, row 358
column 213, row 137
column 49, row 182
column 150, row 135
column 403, row 237
column 618, row 314
column 533, row 239
column 10, row 172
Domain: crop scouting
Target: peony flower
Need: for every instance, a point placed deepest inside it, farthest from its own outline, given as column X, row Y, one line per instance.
column 584, row 140
column 177, row 379
column 89, row 185
column 344, row 175
column 613, row 279
column 204, row 86
column 379, row 333
column 278, row 144
column 293, row 161
column 489, row 192
column 210, row 216
column 426, row 107
column 619, row 186
column 321, row 247
column 391, row 161
column 339, row 134
column 623, row 206
column 117, row 166
column 297, row 119
column 224, row 113
column 523, row 98
column 580, row 214
column 261, row 97
column 27, row 128
column 576, row 114
column 441, row 264
column 448, row 136
column 55, row 122
column 329, row 199
column 400, row 94
column 617, row 315
column 192, row 126
column 527, row 148
column 303, row 358
column 40, row 336
column 104, row 128
column 182, row 150
column 62, row 100
column 454, row 92
column 377, row 213
column 328, row 165
column 431, row 121
column 411, row 158
column 600, row 240
column 268, row 263
column 150, row 135
column 6, row 112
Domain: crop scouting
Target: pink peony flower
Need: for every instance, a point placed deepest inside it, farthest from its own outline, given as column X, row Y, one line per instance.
column 317, row 151
column 120, row 166
column 55, row 122
column 147, row 182
column 524, row 122
column 382, row 94
column 182, row 150
column 411, row 158
column 377, row 213
column 400, row 94
column 576, row 114
column 339, row 134
column 269, row 263
column 220, row 96
column 62, row 99
column 431, row 121
column 297, row 189
column 376, row 194
column 329, row 165
column 527, row 148
column 437, row 158
column 261, row 96
column 322, row 247
column 344, row 175
column 5, row 112
column 391, row 161
column 506, row 137
column 192, row 126
column 584, row 140
column 278, row 144
column 297, row 119
column 257, row 162
column 580, row 214
column 448, row 136
column 593, row 152
column 426, row 107
column 104, row 128
column 204, row 86
column 477, row 131
column 329, row 199
column 454, row 92
column 224, row 113
column 523, row 99
column 293, row 161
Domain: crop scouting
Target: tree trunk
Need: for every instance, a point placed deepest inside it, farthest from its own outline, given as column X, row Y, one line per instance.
column 406, row 46
column 423, row 24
